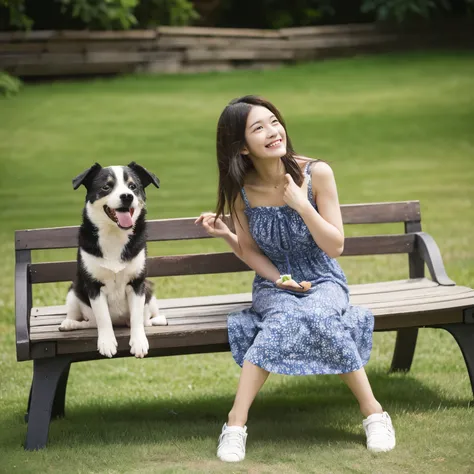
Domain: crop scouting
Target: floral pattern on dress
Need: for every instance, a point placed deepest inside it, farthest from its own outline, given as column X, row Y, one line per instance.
column 285, row 332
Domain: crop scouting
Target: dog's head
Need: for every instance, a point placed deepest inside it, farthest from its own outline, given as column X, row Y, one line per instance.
column 116, row 194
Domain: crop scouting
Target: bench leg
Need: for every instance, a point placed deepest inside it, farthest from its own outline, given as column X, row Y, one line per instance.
column 59, row 399
column 404, row 349
column 48, row 388
column 464, row 336
column 59, row 402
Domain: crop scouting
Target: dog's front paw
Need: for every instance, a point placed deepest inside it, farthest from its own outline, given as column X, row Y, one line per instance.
column 72, row 324
column 139, row 345
column 107, row 345
column 159, row 320
column 68, row 325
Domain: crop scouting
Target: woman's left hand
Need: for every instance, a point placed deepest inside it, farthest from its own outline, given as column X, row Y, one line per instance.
column 291, row 284
column 293, row 195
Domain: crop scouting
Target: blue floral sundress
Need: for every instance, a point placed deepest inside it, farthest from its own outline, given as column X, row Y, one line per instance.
column 292, row 333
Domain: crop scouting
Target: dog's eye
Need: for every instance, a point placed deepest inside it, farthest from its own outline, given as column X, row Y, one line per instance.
column 132, row 186
column 106, row 187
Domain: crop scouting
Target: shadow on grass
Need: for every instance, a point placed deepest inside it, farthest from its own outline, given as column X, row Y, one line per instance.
column 308, row 409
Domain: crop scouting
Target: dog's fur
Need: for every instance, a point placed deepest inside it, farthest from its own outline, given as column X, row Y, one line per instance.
column 110, row 287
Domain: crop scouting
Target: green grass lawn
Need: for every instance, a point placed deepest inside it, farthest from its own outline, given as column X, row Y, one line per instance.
column 394, row 127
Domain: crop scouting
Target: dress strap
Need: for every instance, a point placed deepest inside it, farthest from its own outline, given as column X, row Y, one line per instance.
column 307, row 172
column 244, row 197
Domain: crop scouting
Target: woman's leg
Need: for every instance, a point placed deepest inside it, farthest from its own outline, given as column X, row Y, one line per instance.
column 359, row 384
column 231, row 447
column 251, row 381
column 377, row 423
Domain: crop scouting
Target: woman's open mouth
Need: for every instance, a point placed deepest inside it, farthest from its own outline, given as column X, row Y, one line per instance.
column 121, row 216
column 274, row 144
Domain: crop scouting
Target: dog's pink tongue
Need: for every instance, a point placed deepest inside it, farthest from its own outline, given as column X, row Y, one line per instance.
column 124, row 218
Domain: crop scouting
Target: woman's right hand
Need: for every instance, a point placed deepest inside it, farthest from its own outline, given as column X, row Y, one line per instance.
column 213, row 226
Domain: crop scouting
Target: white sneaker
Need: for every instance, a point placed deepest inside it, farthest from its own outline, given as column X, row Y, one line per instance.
column 380, row 432
column 232, row 443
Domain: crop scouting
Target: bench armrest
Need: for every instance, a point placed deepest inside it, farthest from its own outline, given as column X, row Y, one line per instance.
column 426, row 247
column 23, row 303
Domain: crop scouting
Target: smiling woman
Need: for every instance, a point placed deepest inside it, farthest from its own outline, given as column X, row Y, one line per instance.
column 250, row 123
column 288, row 223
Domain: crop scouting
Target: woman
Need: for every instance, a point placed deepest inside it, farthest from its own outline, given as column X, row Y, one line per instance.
column 288, row 224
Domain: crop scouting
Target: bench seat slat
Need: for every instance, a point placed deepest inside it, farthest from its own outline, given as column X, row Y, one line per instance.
column 409, row 308
column 423, row 307
column 371, row 299
column 199, row 335
column 50, row 332
column 365, row 288
column 379, row 310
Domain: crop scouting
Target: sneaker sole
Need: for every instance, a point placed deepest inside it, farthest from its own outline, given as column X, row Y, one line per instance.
column 230, row 459
column 381, row 450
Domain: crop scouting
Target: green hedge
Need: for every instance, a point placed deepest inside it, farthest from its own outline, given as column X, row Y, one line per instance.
column 126, row 14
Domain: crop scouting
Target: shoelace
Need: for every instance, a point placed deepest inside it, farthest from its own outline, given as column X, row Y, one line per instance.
column 380, row 428
column 232, row 437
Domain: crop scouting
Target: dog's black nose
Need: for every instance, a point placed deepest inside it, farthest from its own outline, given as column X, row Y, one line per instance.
column 126, row 199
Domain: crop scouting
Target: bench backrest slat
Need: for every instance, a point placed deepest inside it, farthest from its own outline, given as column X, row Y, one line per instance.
column 184, row 229
column 222, row 262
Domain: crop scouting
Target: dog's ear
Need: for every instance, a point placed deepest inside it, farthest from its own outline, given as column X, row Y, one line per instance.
column 86, row 177
column 145, row 176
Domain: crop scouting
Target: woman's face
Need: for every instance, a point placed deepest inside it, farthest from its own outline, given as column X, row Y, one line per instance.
column 264, row 134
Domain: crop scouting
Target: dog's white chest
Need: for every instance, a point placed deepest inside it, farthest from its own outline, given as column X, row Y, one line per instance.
column 115, row 276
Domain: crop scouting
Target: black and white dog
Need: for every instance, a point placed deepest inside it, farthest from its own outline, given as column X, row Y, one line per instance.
column 110, row 286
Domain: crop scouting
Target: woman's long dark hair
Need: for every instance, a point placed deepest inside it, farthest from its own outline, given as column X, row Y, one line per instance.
column 233, row 166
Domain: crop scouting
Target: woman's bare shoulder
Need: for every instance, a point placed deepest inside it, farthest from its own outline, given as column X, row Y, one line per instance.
column 316, row 164
column 322, row 170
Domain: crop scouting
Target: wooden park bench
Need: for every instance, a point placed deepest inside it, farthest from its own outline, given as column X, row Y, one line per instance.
column 198, row 324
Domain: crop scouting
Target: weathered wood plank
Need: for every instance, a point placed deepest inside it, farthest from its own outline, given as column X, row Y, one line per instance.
column 75, row 35
column 226, row 262
column 328, row 30
column 192, row 317
column 421, row 304
column 184, row 228
column 381, row 213
column 172, row 321
column 361, row 289
column 217, row 32
column 334, row 42
column 216, row 332
column 230, row 54
column 80, row 57
column 395, row 321
column 395, row 296
column 163, row 333
column 173, row 314
column 41, row 58
column 215, row 336
column 39, row 35
column 182, row 42
column 379, row 310
column 22, row 48
column 115, row 57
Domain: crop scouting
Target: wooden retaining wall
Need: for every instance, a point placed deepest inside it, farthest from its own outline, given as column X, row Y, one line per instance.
column 197, row 49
